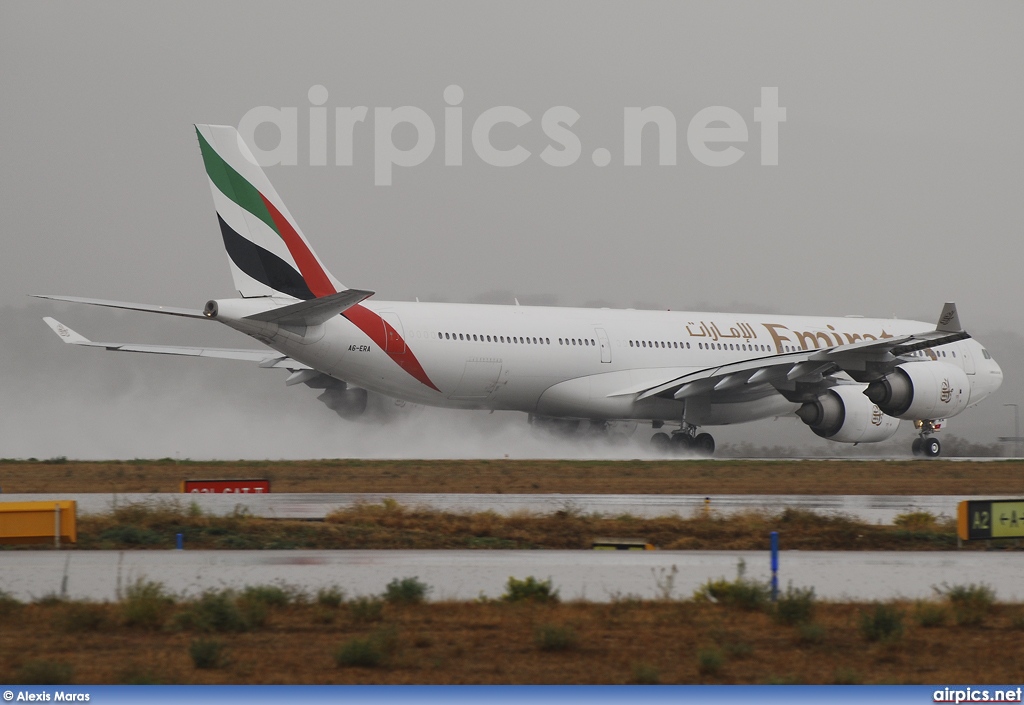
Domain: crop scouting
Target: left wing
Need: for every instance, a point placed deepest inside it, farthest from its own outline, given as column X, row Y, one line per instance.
column 265, row 358
column 806, row 372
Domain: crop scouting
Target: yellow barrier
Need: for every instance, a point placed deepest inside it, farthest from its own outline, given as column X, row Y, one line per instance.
column 38, row 522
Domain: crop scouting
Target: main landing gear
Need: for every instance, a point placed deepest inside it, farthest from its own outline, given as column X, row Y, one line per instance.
column 925, row 444
column 685, row 441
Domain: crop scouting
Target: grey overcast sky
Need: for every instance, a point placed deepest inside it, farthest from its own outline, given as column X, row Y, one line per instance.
column 901, row 161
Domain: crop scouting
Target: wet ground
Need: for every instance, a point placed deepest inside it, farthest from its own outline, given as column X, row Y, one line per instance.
column 465, row 575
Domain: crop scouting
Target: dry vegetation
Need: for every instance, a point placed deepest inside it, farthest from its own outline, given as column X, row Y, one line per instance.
column 533, row 476
column 388, row 525
column 276, row 635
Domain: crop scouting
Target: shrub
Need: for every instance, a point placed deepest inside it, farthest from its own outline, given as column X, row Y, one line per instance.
column 929, row 614
column 130, row 535
column 970, row 603
column 82, row 617
column 882, row 623
column 366, row 609
column 407, row 591
column 1017, row 620
column 795, row 606
column 358, row 652
column 810, row 633
column 645, row 674
column 43, row 672
column 8, row 604
column 555, row 637
column 530, row 589
column 710, row 662
column 145, row 605
column 916, row 521
column 743, row 593
column 206, row 653
column 329, row 597
column 269, row 595
column 221, row 611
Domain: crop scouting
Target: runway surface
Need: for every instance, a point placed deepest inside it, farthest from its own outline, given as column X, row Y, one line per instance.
column 598, row 576
column 869, row 508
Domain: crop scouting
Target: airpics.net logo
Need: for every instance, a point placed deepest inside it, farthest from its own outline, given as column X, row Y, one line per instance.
column 715, row 135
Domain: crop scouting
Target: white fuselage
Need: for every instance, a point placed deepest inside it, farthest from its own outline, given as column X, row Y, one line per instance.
column 576, row 362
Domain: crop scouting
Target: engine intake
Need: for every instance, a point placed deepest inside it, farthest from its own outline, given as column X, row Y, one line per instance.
column 845, row 415
column 922, row 390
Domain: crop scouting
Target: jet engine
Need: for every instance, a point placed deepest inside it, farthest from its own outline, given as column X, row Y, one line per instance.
column 346, row 402
column 922, row 390
column 845, row 415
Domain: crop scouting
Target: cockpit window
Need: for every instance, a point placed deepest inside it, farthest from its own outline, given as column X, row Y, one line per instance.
column 984, row 352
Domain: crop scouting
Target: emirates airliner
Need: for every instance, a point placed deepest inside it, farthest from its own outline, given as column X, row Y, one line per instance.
column 850, row 379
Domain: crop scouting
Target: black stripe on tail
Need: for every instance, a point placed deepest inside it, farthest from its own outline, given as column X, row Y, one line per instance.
column 263, row 266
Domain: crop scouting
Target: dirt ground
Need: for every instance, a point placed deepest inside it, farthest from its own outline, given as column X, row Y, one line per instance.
column 937, row 477
column 682, row 642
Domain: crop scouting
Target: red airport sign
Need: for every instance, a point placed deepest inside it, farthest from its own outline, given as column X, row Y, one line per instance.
column 226, row 486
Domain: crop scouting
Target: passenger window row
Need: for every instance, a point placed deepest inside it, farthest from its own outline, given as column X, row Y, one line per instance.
column 658, row 344
column 477, row 338
column 745, row 347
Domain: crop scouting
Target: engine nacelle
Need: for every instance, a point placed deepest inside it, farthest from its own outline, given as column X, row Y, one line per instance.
column 845, row 415
column 346, row 402
column 922, row 390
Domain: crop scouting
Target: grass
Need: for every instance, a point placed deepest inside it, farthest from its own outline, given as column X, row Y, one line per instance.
column 703, row 477
column 970, row 603
column 45, row 672
column 710, row 662
column 145, row 605
column 883, row 622
column 206, row 653
column 556, row 637
column 795, row 605
column 392, row 526
column 366, row 609
column 683, row 641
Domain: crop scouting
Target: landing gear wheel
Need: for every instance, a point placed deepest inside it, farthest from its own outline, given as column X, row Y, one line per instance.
column 660, row 442
column 931, row 447
column 704, row 445
column 682, row 443
column 916, row 447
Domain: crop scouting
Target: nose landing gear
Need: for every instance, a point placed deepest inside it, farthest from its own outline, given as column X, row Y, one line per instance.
column 925, row 444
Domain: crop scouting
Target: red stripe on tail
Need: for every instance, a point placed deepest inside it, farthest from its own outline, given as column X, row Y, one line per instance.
column 316, row 278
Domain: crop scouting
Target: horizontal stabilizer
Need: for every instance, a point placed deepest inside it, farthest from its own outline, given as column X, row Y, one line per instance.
column 148, row 308
column 312, row 312
column 258, row 356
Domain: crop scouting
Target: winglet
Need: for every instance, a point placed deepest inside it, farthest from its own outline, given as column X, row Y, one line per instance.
column 66, row 334
column 949, row 320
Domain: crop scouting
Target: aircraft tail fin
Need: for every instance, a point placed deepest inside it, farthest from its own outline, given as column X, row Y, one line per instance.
column 268, row 254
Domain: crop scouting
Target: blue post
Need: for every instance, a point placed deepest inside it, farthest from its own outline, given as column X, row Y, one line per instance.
column 775, row 565
column 181, row 541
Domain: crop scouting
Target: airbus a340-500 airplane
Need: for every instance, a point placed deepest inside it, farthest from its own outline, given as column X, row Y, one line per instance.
column 849, row 379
